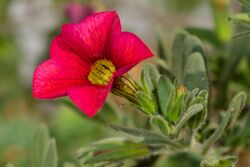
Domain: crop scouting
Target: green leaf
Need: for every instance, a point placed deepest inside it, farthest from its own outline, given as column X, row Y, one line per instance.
column 183, row 46
column 149, row 77
column 246, row 3
column 229, row 161
column 199, row 119
column 217, row 133
column 147, row 104
column 175, row 113
column 205, row 34
column 179, row 159
column 241, row 18
column 160, row 123
column 171, row 106
column 178, row 58
column 39, row 145
column 51, row 157
column 241, row 34
column 237, row 50
column 119, row 155
column 195, row 73
column 145, row 136
column 112, row 149
column 236, row 106
column 192, row 111
column 164, row 93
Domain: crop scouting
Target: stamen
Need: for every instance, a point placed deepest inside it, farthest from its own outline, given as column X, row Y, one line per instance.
column 101, row 72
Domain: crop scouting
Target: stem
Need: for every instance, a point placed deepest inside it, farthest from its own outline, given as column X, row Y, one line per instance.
column 217, row 133
column 241, row 34
column 220, row 10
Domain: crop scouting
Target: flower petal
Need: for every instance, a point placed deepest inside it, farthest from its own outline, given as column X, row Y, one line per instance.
column 52, row 78
column 89, row 99
column 126, row 50
column 89, row 38
column 60, row 52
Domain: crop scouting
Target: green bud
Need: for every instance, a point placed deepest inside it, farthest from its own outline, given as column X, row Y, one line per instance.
column 125, row 86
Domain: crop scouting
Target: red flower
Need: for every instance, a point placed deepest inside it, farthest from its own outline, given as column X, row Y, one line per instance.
column 84, row 60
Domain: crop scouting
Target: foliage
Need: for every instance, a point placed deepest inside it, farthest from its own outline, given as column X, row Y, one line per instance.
column 191, row 106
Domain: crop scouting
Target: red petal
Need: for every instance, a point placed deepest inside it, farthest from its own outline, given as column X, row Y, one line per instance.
column 60, row 52
column 89, row 99
column 53, row 78
column 89, row 38
column 126, row 50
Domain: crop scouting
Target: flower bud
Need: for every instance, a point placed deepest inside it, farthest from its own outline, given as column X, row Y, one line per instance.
column 180, row 90
column 125, row 86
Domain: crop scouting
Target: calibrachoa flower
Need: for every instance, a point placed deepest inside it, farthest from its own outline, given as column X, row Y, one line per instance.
column 85, row 59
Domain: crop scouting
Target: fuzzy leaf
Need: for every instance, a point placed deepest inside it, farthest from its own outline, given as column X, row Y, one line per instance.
column 205, row 34
column 160, row 123
column 112, row 149
column 171, row 106
column 241, row 18
column 146, row 103
column 119, row 155
column 39, row 145
column 164, row 92
column 246, row 3
column 236, row 106
column 238, row 49
column 149, row 77
column 145, row 136
column 195, row 74
column 192, row 111
column 228, row 161
column 113, row 143
column 175, row 113
column 241, row 34
column 217, row 133
column 178, row 58
column 179, row 159
column 199, row 119
column 51, row 157
column 184, row 45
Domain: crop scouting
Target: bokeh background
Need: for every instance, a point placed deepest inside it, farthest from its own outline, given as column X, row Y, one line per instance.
column 26, row 30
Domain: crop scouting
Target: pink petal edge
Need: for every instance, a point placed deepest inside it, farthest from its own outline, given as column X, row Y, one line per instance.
column 126, row 50
column 52, row 79
column 89, row 99
column 89, row 38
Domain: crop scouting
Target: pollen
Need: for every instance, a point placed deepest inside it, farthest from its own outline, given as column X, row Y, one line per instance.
column 101, row 72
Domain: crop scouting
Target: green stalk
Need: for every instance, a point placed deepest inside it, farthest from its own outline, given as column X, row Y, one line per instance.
column 220, row 10
column 217, row 133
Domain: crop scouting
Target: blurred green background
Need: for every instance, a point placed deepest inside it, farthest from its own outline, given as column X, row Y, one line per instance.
column 26, row 29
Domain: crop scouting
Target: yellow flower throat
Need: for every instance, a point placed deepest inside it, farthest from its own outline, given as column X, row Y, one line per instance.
column 101, row 72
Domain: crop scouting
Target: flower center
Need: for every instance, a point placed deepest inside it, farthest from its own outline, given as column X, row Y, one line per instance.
column 101, row 72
